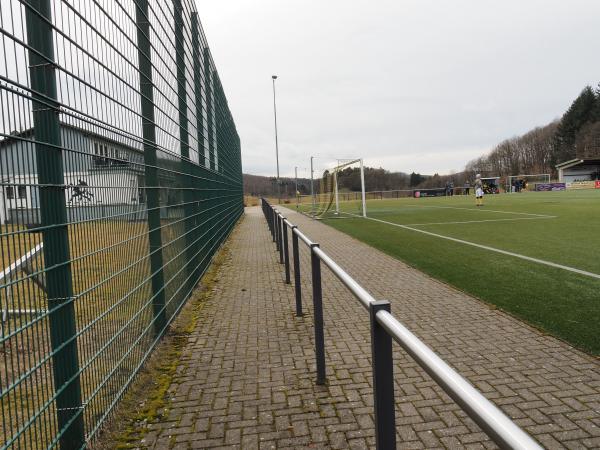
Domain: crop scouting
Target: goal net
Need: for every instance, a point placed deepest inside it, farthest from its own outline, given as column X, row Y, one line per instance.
column 520, row 183
column 341, row 191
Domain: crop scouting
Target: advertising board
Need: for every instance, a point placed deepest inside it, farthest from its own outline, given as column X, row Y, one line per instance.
column 546, row 187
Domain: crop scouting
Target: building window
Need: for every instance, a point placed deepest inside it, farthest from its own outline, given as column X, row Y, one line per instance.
column 20, row 190
column 100, row 153
column 105, row 156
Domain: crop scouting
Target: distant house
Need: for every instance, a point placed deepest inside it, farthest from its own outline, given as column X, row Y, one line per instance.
column 583, row 171
column 579, row 171
column 99, row 171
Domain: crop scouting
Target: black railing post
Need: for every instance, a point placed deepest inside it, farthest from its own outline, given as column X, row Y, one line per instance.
column 298, row 288
column 277, row 231
column 383, row 379
column 278, row 227
column 280, row 232
column 270, row 220
column 275, row 238
column 318, row 312
column 286, row 252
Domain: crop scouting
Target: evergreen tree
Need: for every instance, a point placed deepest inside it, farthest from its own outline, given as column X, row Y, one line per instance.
column 596, row 113
column 416, row 179
column 580, row 113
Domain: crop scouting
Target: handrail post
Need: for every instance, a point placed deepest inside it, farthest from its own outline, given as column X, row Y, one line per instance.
column 383, row 379
column 275, row 239
column 280, row 233
column 318, row 313
column 286, row 252
column 266, row 213
column 270, row 220
column 298, row 288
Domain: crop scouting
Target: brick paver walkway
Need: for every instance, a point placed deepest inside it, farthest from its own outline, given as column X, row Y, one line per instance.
column 246, row 379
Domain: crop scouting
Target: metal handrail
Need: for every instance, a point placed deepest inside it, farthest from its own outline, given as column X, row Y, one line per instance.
column 385, row 327
column 488, row 416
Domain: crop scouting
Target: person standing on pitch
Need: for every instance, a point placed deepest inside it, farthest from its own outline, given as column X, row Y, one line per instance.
column 478, row 190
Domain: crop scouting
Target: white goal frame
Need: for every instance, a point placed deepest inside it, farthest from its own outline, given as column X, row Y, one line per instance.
column 511, row 177
column 336, row 169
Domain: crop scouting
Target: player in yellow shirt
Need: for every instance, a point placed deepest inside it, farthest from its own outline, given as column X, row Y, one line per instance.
column 478, row 190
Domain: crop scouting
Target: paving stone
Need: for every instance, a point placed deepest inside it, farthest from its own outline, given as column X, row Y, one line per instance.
column 247, row 376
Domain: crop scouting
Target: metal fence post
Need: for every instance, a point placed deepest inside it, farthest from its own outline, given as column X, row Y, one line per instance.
column 280, row 233
column 318, row 312
column 198, row 185
column 297, row 287
column 286, row 252
column 198, row 88
column 383, row 379
column 151, row 166
column 186, row 177
column 54, row 221
column 208, row 90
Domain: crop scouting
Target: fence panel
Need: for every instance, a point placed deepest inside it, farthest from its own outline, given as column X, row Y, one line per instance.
column 120, row 177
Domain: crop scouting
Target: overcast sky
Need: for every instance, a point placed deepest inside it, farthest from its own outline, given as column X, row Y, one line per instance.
column 423, row 85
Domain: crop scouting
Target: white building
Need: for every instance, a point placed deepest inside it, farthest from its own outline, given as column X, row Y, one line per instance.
column 99, row 172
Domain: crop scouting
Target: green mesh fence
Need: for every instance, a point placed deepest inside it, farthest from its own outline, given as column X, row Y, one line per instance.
column 120, row 177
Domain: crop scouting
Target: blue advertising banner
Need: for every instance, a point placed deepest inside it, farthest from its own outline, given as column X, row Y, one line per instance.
column 551, row 187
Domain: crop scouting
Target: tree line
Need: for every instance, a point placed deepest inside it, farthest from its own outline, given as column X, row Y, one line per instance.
column 575, row 135
column 376, row 179
column 258, row 186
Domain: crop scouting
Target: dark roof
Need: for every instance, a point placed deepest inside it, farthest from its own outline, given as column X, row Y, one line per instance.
column 578, row 162
column 16, row 136
column 27, row 134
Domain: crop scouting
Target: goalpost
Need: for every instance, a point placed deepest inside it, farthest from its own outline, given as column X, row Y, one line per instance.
column 518, row 182
column 335, row 197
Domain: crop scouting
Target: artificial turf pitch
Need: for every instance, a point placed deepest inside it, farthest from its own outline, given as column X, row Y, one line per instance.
column 560, row 228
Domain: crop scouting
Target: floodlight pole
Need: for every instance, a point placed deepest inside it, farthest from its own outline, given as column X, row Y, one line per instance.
column 335, row 190
column 312, row 187
column 274, row 77
column 362, row 182
column 297, row 192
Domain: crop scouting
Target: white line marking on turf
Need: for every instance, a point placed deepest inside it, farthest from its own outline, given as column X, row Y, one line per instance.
column 491, row 249
column 478, row 221
column 484, row 210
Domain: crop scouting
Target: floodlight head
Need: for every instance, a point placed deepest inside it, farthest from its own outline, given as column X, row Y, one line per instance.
column 274, row 77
